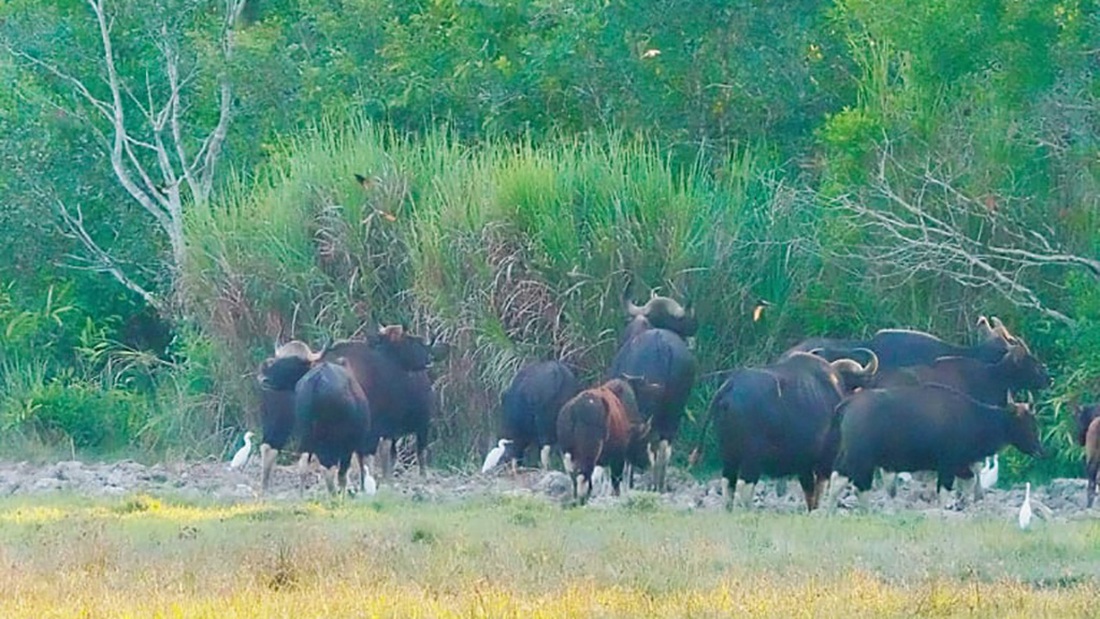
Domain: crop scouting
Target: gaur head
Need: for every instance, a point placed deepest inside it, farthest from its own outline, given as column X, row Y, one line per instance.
column 1083, row 415
column 410, row 351
column 289, row 362
column 1025, row 429
column 1023, row 370
column 662, row 313
column 440, row 350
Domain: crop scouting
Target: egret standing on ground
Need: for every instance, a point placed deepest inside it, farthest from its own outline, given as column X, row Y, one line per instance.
column 987, row 477
column 495, row 454
column 1025, row 509
column 370, row 486
column 243, row 454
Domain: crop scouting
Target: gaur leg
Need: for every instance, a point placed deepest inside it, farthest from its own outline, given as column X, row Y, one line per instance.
column 362, row 460
column 945, row 485
column 303, row 471
column 342, row 474
column 837, row 484
column 863, row 483
column 744, row 492
column 729, row 478
column 422, row 453
column 975, row 469
column 660, row 465
column 809, row 489
column 267, row 460
column 616, row 470
column 1092, row 470
column 890, row 482
column 862, row 480
column 385, row 454
column 745, row 488
column 582, row 485
column 781, row 486
column 330, row 474
column 544, row 457
column 820, row 483
column 570, row 469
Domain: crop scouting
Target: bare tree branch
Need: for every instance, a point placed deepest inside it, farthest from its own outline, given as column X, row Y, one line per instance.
column 152, row 131
column 99, row 259
column 924, row 224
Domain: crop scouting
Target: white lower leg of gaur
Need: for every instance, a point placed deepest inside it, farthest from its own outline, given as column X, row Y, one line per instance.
column 727, row 497
column 267, row 460
column 544, row 457
column 864, row 500
column 837, row 484
column 303, row 471
column 330, row 477
column 582, row 486
column 890, row 482
column 660, row 465
column 651, row 455
column 781, row 486
column 362, row 460
column 943, row 497
column 385, row 452
column 745, row 492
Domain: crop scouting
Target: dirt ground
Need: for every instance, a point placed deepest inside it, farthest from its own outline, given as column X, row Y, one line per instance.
column 1061, row 499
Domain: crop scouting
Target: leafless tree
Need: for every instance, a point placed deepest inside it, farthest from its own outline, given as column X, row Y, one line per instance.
column 917, row 223
column 152, row 154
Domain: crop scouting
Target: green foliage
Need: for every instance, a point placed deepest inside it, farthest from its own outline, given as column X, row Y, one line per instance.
column 83, row 412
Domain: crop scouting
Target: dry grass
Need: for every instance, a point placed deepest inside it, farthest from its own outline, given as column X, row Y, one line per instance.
column 143, row 557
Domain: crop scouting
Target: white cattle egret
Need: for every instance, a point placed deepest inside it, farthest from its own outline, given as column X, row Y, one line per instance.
column 241, row 457
column 987, row 477
column 370, row 486
column 1025, row 509
column 495, row 454
column 601, row 482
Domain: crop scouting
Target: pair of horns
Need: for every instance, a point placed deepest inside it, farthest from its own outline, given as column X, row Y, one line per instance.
column 993, row 326
column 853, row 366
column 298, row 348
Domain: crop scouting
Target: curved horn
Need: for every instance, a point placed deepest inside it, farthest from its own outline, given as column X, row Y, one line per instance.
column 314, row 357
column 871, row 366
column 631, row 308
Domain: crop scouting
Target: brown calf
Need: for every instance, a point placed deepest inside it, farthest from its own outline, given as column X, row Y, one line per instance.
column 601, row 426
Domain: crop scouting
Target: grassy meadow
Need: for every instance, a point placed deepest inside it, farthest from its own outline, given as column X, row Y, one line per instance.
column 502, row 557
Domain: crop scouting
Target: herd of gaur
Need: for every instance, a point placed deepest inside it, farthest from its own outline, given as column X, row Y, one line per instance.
column 828, row 412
